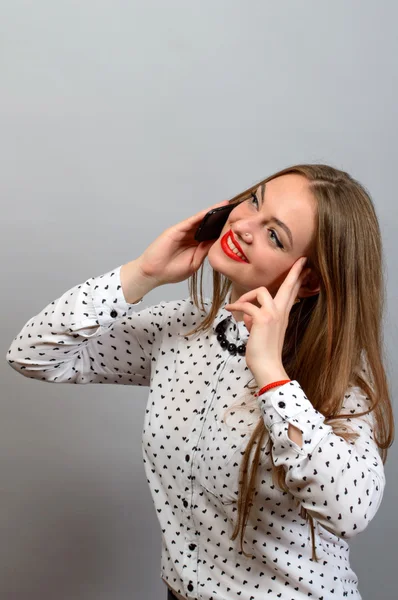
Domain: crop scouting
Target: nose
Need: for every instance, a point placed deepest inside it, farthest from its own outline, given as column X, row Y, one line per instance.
column 242, row 231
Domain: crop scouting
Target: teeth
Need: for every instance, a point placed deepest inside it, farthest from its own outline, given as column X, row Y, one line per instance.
column 234, row 248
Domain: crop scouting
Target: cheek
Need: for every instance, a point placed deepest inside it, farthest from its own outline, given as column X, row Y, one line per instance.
column 224, row 230
column 230, row 219
column 268, row 268
column 239, row 212
column 215, row 254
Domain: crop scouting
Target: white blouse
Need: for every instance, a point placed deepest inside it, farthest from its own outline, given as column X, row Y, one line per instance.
column 192, row 451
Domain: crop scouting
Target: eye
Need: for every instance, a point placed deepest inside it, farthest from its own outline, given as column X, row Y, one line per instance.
column 276, row 239
column 253, row 197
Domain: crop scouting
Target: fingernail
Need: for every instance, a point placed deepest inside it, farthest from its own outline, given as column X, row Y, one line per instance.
column 303, row 261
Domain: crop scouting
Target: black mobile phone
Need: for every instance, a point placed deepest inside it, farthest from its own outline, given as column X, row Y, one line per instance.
column 213, row 222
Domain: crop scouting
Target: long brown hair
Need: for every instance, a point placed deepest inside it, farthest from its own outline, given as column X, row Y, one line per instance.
column 329, row 333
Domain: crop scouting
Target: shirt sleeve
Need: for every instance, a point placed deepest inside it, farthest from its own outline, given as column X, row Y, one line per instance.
column 89, row 335
column 339, row 483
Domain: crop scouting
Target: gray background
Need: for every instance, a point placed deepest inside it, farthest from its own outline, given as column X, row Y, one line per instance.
column 119, row 119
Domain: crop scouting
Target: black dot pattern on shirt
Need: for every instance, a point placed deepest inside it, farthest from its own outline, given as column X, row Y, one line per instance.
column 192, row 454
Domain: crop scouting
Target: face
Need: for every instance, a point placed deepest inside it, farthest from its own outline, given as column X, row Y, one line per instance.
column 268, row 247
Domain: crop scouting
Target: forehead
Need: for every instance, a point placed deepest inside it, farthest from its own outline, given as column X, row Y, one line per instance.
column 288, row 188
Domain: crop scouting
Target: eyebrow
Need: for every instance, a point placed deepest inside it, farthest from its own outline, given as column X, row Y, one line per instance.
column 277, row 221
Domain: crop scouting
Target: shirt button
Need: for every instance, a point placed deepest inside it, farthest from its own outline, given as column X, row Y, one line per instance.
column 281, row 404
column 190, row 587
column 192, row 546
column 113, row 313
column 187, row 457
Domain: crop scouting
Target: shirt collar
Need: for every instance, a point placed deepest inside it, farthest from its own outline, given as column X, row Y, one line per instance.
column 233, row 326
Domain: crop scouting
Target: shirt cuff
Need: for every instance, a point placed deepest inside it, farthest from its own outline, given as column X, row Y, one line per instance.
column 108, row 298
column 286, row 405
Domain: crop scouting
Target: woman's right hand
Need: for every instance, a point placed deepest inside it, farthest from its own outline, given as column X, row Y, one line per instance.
column 175, row 255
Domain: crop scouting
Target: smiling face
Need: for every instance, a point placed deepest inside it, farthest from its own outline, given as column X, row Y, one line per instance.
column 268, row 246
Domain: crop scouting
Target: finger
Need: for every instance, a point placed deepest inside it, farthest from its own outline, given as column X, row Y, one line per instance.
column 247, row 307
column 253, row 295
column 288, row 287
column 261, row 295
column 296, row 289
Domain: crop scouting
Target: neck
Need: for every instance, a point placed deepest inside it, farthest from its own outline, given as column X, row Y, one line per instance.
column 235, row 295
column 237, row 315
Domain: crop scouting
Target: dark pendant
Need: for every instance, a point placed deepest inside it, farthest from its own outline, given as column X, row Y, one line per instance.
column 232, row 348
column 221, row 327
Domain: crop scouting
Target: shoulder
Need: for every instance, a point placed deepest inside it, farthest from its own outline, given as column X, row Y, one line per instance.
column 183, row 314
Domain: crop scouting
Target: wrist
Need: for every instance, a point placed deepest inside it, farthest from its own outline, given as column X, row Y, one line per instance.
column 135, row 284
column 264, row 379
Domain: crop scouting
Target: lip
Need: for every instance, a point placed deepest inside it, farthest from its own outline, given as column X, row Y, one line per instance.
column 228, row 250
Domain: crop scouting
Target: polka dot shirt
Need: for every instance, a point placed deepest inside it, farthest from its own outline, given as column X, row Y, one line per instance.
column 192, row 450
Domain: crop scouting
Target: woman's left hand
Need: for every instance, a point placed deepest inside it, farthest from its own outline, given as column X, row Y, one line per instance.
column 267, row 323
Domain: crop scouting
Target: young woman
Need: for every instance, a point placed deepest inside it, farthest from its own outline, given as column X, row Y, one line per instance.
column 269, row 414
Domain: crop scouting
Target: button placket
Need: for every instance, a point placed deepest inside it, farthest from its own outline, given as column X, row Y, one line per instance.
column 221, row 445
column 190, row 555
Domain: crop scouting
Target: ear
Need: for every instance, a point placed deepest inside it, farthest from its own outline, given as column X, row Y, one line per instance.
column 310, row 286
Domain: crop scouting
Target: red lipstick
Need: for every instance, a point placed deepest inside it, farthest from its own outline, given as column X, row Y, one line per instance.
column 228, row 250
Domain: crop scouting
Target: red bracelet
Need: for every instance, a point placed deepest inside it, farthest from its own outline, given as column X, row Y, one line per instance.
column 271, row 385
